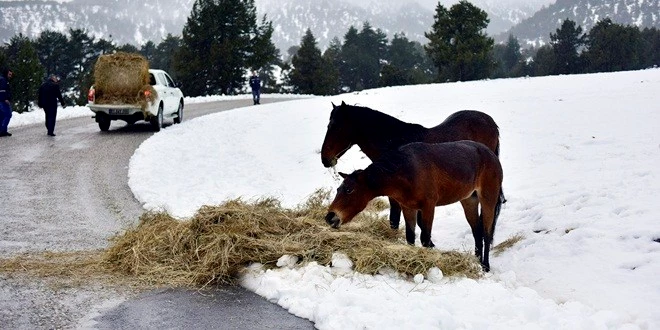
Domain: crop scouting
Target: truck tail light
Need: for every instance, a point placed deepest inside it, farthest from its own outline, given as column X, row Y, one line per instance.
column 90, row 95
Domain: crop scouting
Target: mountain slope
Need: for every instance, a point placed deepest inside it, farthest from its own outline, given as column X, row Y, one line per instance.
column 135, row 22
column 586, row 13
column 123, row 21
column 126, row 21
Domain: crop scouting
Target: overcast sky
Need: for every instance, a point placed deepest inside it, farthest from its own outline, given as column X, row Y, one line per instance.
column 426, row 3
column 433, row 3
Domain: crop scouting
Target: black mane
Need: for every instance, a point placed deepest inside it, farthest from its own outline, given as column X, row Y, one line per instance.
column 381, row 127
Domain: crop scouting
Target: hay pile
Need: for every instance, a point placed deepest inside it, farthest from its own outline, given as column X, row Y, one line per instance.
column 122, row 78
column 219, row 241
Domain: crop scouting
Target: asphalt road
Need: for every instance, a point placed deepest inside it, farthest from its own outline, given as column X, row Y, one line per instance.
column 69, row 193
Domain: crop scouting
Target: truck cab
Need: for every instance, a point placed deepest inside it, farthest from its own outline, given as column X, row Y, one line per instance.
column 167, row 104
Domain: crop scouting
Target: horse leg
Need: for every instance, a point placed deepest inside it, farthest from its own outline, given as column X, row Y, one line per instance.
column 471, row 210
column 410, row 216
column 425, row 222
column 395, row 214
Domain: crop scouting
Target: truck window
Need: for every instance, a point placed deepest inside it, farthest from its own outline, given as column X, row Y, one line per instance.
column 170, row 82
column 161, row 79
column 152, row 79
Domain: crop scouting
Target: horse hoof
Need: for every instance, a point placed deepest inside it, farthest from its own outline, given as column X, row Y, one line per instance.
column 429, row 244
column 486, row 268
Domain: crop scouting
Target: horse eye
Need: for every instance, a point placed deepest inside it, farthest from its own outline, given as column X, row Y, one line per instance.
column 349, row 191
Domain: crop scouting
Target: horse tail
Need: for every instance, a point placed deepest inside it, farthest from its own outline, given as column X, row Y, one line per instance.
column 498, row 208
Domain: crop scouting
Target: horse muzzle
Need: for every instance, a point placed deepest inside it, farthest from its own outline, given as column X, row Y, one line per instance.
column 329, row 162
column 333, row 220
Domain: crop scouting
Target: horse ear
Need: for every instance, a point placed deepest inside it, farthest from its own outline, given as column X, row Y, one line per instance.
column 343, row 175
column 343, row 103
column 333, row 105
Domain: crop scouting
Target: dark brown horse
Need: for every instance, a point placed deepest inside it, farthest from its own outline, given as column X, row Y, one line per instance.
column 377, row 133
column 421, row 176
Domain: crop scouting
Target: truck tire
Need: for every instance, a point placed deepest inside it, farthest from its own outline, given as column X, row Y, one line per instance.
column 157, row 121
column 179, row 113
column 104, row 123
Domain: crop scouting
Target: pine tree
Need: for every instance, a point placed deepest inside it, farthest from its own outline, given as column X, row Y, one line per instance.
column 79, row 62
column 545, row 61
column 406, row 63
column 332, row 57
column 373, row 50
column 507, row 57
column 28, row 72
column 650, row 48
column 148, row 50
column 458, row 44
column 51, row 47
column 164, row 56
column 349, row 75
column 566, row 43
column 307, row 75
column 263, row 51
column 613, row 47
column 221, row 41
column 512, row 55
column 128, row 48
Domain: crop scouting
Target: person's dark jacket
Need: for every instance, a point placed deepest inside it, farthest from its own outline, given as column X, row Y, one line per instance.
column 255, row 83
column 49, row 94
column 5, row 91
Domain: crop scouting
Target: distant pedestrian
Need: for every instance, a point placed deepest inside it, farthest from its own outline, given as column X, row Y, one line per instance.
column 49, row 94
column 5, row 101
column 255, row 84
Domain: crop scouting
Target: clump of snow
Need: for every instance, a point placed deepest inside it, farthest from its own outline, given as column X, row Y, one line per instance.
column 341, row 261
column 287, row 261
column 435, row 275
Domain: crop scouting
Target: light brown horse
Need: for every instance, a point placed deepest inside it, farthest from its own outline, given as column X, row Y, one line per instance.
column 377, row 133
column 421, row 176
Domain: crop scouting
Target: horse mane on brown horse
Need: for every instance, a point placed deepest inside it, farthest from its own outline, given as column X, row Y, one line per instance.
column 377, row 133
column 421, row 176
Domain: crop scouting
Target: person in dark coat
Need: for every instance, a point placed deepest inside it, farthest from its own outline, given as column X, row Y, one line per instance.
column 5, row 101
column 255, row 84
column 49, row 94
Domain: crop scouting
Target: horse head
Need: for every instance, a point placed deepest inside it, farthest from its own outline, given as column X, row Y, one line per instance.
column 352, row 197
column 338, row 137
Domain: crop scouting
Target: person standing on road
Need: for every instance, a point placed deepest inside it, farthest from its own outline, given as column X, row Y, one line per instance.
column 5, row 101
column 49, row 94
column 255, row 84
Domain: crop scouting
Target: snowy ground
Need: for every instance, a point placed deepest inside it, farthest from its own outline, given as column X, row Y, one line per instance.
column 580, row 157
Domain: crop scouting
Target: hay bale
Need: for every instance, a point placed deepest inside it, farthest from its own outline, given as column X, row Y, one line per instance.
column 122, row 78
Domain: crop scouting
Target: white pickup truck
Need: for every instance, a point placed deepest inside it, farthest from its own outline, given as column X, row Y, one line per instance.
column 168, row 104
